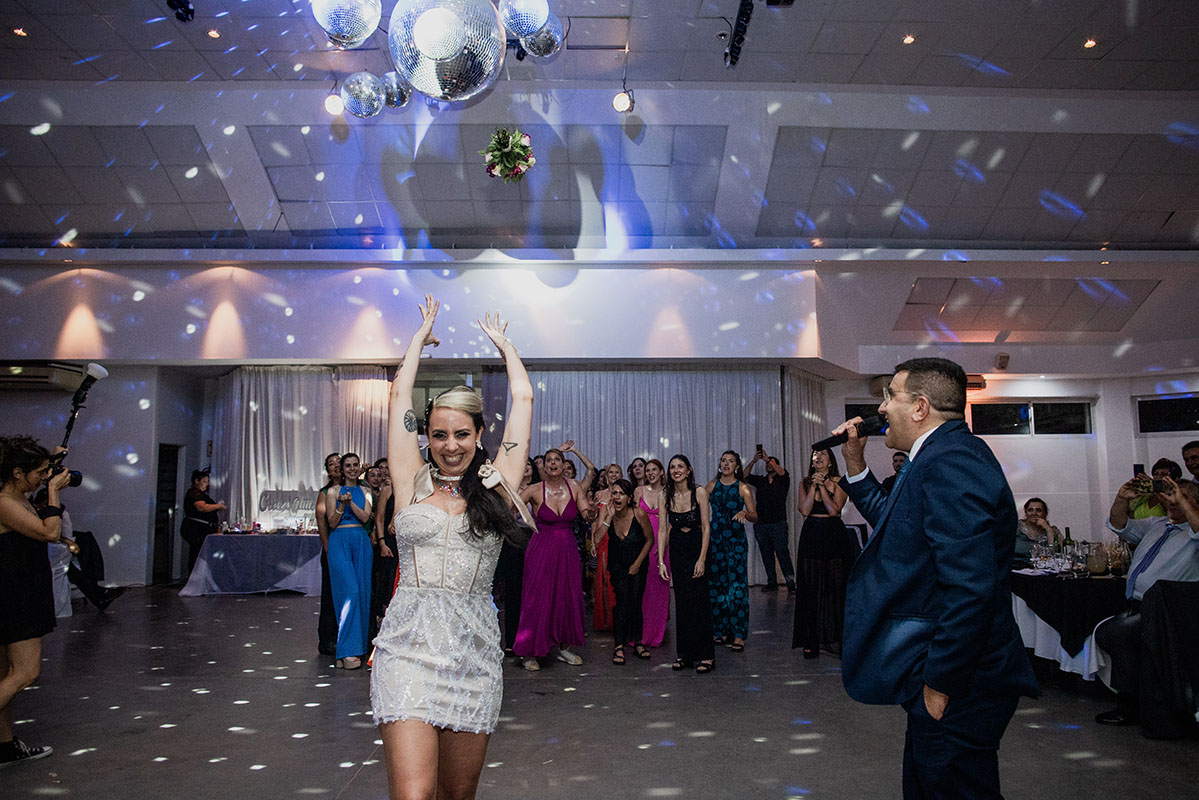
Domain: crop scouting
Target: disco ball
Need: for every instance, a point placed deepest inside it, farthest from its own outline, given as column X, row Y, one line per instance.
column 363, row 94
column 546, row 41
column 395, row 93
column 524, row 17
column 446, row 49
column 347, row 23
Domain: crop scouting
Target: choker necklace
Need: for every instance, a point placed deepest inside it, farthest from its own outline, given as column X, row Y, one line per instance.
column 447, row 484
column 436, row 473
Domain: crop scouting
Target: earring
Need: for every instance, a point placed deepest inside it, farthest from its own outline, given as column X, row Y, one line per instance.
column 478, row 444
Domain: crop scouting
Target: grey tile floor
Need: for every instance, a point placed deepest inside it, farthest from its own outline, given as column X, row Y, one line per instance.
column 225, row 697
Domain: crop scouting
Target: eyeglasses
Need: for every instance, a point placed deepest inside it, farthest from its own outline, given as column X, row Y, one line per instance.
column 889, row 395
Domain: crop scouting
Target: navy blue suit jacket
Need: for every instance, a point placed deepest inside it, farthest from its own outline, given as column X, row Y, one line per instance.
column 929, row 599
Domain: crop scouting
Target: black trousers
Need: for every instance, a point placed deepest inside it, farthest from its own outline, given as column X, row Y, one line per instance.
column 772, row 542
column 958, row 755
column 510, row 570
column 626, row 614
column 1120, row 636
column 326, row 622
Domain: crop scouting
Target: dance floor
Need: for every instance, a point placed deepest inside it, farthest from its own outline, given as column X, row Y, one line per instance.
column 226, row 697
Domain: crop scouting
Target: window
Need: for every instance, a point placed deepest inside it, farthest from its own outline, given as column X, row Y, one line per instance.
column 1160, row 416
column 1016, row 419
column 1000, row 419
column 863, row 410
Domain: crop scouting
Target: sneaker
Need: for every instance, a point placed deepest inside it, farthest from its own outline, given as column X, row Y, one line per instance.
column 568, row 657
column 531, row 664
column 17, row 751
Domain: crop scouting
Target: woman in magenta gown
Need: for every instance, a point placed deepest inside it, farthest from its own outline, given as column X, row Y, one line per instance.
column 655, row 603
column 552, row 603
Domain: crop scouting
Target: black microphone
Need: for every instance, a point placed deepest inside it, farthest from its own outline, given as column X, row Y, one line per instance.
column 867, row 427
column 95, row 372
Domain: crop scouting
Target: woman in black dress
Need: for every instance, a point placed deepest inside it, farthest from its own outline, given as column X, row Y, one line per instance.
column 823, row 559
column 685, row 537
column 26, row 593
column 628, row 530
column 326, row 624
column 199, row 516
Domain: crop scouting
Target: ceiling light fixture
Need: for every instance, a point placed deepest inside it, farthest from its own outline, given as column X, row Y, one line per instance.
column 1089, row 43
column 623, row 100
column 213, row 33
column 909, row 39
column 334, row 104
column 732, row 53
column 184, row 10
column 20, row 32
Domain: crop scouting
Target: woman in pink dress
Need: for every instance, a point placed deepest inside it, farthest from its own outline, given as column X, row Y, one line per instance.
column 655, row 604
column 552, row 604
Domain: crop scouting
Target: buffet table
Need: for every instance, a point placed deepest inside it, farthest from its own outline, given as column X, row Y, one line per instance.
column 252, row 563
column 1057, row 618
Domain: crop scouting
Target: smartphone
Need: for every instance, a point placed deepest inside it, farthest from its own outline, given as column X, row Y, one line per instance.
column 1138, row 469
column 760, row 450
column 1159, row 486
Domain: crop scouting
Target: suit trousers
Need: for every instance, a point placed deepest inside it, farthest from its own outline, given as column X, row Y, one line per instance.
column 958, row 755
column 1120, row 637
column 772, row 541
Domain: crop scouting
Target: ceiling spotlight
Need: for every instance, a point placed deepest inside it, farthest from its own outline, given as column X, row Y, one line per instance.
column 334, row 104
column 623, row 101
column 213, row 33
column 19, row 32
column 909, row 39
column 1089, row 43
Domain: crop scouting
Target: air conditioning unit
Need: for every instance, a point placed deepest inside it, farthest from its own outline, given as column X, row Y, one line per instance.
column 975, row 382
column 40, row 377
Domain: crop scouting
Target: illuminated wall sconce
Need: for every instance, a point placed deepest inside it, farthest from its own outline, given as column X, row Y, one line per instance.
column 623, row 101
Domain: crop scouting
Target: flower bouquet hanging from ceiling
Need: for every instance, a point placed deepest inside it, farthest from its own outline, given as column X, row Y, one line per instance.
column 508, row 155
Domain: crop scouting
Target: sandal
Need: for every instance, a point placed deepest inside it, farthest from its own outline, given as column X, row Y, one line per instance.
column 722, row 640
column 737, row 647
column 679, row 664
column 704, row 667
column 618, row 655
column 641, row 650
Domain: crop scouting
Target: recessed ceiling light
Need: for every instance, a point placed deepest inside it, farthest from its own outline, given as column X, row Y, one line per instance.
column 214, row 34
column 1089, row 43
column 909, row 39
column 19, row 32
column 334, row 104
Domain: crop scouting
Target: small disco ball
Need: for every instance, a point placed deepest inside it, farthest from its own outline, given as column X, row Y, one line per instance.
column 347, row 23
column 524, row 17
column 395, row 93
column 363, row 94
column 546, row 41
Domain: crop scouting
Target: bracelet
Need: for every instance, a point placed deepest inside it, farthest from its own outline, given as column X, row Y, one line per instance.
column 605, row 524
column 50, row 511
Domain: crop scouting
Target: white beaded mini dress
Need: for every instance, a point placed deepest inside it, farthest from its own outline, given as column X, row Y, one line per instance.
column 438, row 657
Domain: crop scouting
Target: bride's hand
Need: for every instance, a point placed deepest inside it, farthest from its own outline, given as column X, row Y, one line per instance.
column 495, row 328
column 428, row 313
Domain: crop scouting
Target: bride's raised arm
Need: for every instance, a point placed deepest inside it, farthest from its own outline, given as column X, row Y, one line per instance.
column 514, row 446
column 403, row 451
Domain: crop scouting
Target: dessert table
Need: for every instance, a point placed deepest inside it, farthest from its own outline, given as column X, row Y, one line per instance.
column 233, row 563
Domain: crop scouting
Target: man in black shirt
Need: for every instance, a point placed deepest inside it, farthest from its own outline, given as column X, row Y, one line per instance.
column 771, row 528
column 898, row 459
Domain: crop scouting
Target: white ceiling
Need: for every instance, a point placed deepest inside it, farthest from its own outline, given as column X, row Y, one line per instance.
column 996, row 130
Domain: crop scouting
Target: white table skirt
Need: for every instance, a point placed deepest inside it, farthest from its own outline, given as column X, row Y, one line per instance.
column 253, row 563
column 1091, row 662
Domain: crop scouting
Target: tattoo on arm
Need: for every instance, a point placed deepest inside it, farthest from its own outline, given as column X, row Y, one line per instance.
column 410, row 421
column 508, row 446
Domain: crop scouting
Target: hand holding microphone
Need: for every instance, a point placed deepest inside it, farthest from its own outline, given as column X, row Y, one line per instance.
column 852, row 434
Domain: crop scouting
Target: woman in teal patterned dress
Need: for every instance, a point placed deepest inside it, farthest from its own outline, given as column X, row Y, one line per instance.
column 728, row 584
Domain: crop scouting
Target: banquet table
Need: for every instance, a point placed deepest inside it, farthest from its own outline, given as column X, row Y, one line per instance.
column 252, row 563
column 1057, row 617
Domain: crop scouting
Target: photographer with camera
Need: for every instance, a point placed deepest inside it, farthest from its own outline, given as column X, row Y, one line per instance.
column 1150, row 502
column 26, row 596
column 199, row 516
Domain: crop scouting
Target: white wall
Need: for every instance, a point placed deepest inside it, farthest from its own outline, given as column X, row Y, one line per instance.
column 1077, row 475
column 115, row 445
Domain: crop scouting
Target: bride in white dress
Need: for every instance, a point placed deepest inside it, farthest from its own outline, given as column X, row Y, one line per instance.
column 437, row 684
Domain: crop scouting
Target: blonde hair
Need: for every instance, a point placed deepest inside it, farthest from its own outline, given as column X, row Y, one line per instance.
column 460, row 398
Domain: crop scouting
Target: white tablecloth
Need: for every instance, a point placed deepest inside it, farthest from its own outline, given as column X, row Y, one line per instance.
column 1090, row 663
column 252, row 563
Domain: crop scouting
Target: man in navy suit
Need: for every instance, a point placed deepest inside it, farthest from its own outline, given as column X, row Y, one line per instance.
column 928, row 616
